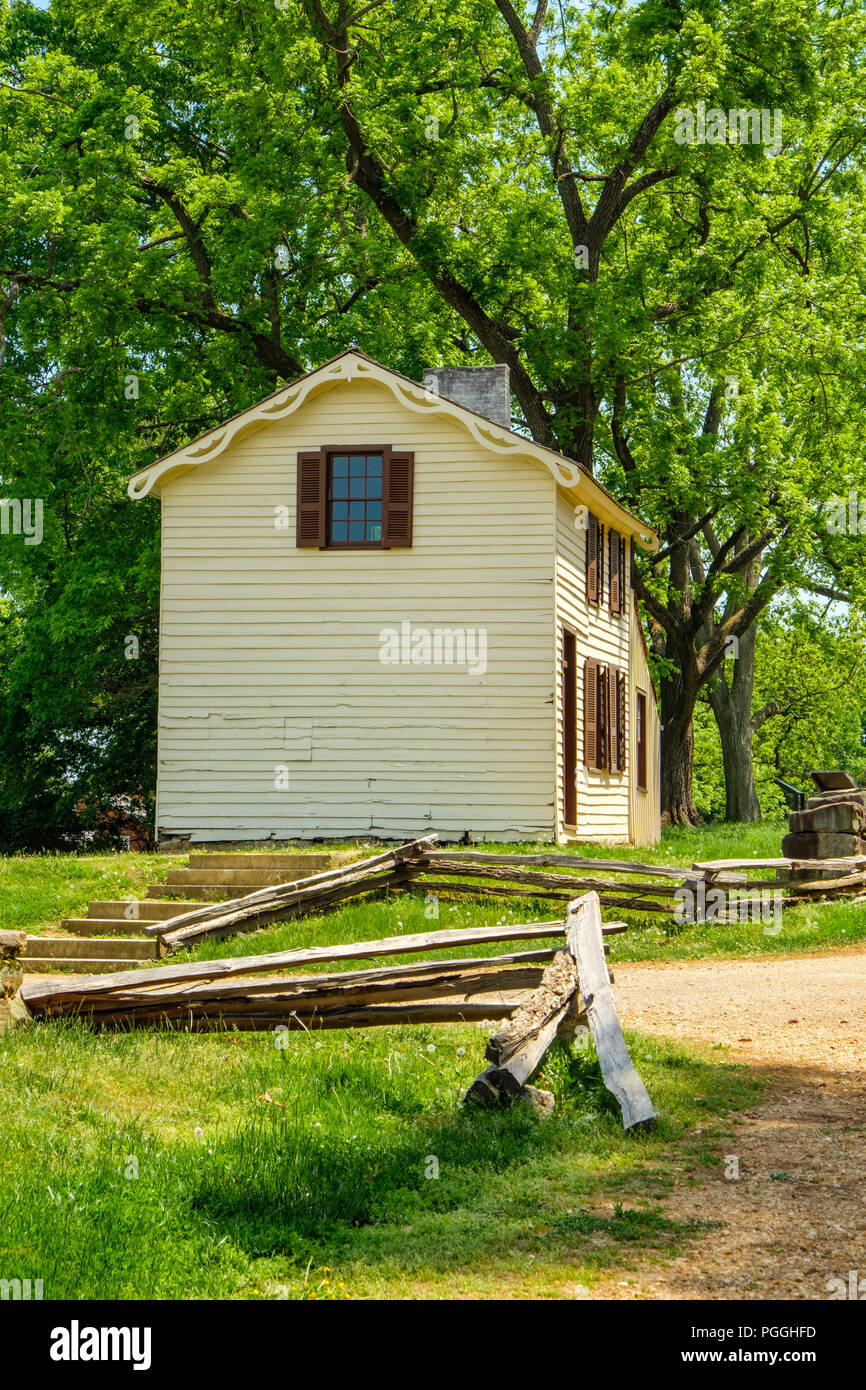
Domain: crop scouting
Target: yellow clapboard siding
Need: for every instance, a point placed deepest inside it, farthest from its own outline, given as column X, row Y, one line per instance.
column 602, row 799
column 250, row 622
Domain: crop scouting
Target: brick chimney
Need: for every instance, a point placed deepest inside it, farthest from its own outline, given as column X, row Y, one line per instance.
column 482, row 389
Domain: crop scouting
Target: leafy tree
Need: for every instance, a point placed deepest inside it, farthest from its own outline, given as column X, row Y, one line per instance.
column 808, row 706
column 199, row 201
column 629, row 280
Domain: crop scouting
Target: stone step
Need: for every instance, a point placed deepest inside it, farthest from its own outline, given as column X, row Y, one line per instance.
column 40, row 965
column 822, row 844
column 299, row 865
column 234, row 878
column 151, row 910
column 89, row 948
column 106, row 926
column 201, row 893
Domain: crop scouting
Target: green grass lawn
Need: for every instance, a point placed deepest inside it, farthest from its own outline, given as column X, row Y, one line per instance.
column 157, row 1165
column 37, row 891
column 163, row 1165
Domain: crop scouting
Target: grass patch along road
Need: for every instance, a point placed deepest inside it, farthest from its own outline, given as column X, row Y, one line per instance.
column 223, row 1166
column 37, row 891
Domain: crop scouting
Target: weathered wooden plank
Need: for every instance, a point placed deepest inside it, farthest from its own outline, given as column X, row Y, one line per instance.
column 443, row 887
column 502, row 873
column 583, row 934
column 562, row 861
column 266, row 1020
column 175, row 938
column 307, row 994
column 247, row 907
column 39, row 994
column 518, row 1049
column 848, row 862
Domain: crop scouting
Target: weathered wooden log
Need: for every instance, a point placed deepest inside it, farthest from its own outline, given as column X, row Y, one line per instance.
column 267, row 1020
column 446, row 887
column 308, row 995
column 517, row 1050
column 583, row 933
column 181, row 938
column 501, row 873
column 560, row 861
column 43, row 995
column 844, row 864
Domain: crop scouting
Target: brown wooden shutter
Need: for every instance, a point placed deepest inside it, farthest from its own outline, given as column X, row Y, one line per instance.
column 620, row 720
column 624, row 575
column 397, row 487
column 592, row 559
column 311, row 503
column 614, row 545
column 590, row 714
column 611, row 747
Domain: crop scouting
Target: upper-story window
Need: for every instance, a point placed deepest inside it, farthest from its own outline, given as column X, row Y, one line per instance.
column 617, row 553
column 355, row 498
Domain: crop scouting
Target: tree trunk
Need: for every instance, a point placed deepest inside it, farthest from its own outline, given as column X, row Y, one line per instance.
column 677, row 752
column 731, row 704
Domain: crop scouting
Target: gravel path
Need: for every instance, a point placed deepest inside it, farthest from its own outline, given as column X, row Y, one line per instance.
column 796, row 1217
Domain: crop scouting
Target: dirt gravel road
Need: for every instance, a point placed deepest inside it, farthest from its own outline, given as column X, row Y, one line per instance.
column 796, row 1217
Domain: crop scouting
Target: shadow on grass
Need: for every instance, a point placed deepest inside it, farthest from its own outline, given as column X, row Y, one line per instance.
column 455, row 1192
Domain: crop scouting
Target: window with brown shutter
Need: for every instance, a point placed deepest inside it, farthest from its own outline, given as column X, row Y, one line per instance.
column 613, row 569
column 593, row 559
column 311, row 499
column 640, row 738
column 397, row 500
column 351, row 498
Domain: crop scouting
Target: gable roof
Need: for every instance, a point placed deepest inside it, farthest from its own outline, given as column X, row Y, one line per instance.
column 353, row 364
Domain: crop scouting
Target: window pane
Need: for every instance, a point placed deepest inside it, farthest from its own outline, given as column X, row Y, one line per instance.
column 356, row 511
column 374, row 511
column 339, row 531
column 374, row 465
column 358, row 465
column 341, row 511
column 341, row 487
column 356, row 487
column 356, row 530
column 374, row 530
column 374, row 487
column 340, row 466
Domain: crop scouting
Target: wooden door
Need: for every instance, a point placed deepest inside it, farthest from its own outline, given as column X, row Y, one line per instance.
column 569, row 727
